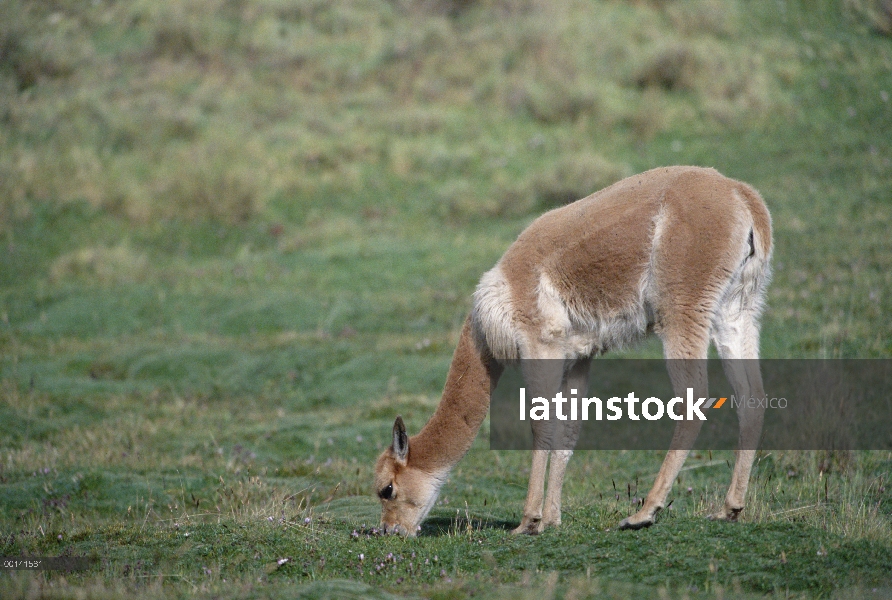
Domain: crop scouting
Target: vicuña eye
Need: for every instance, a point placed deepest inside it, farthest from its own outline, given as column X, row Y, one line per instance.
column 387, row 492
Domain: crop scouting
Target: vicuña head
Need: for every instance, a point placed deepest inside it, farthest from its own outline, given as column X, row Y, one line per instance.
column 407, row 493
column 680, row 251
column 410, row 473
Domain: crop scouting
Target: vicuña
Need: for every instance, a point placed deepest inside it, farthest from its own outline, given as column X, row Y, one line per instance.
column 682, row 252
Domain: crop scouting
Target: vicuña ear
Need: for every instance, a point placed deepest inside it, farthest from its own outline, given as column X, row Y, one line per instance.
column 400, row 440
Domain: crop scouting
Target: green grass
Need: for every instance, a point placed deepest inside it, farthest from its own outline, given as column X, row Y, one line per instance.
column 239, row 237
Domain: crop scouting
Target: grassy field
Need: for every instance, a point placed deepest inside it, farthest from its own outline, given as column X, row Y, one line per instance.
column 240, row 236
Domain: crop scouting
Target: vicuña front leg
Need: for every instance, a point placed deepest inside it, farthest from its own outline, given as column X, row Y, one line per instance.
column 567, row 434
column 543, row 378
column 556, row 470
column 534, row 519
column 531, row 523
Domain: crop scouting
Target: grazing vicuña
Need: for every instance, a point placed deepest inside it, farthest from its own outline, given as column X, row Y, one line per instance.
column 679, row 251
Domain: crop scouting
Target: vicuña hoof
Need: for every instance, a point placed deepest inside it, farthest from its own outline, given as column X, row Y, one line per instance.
column 529, row 527
column 629, row 524
column 726, row 514
column 637, row 521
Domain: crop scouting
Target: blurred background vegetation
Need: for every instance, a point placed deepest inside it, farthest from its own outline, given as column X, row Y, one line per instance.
column 318, row 121
column 232, row 109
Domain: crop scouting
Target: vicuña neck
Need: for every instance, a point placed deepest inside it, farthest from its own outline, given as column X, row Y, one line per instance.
column 449, row 433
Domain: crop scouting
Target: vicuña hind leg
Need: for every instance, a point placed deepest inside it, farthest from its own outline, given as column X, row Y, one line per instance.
column 685, row 371
column 737, row 340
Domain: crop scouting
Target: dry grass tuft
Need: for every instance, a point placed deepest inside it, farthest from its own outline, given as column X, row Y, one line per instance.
column 107, row 265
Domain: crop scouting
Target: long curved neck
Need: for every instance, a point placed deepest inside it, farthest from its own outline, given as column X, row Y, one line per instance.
column 449, row 433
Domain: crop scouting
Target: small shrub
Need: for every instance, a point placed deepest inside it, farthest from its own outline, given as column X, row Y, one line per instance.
column 206, row 182
column 34, row 55
column 671, row 68
column 650, row 117
column 556, row 100
column 174, row 40
column 458, row 201
column 574, row 177
column 876, row 13
column 448, row 8
column 703, row 17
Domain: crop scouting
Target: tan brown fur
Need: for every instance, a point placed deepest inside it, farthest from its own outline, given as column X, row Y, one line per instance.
column 681, row 251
